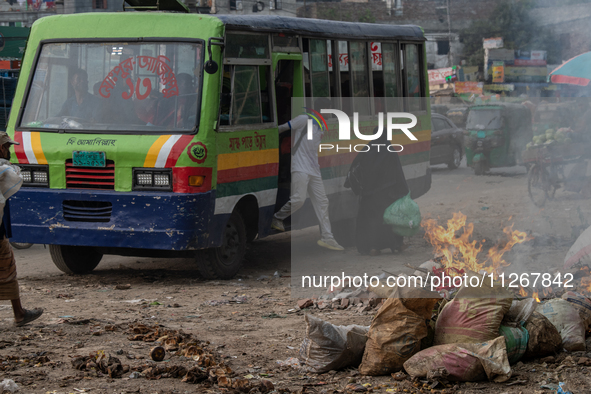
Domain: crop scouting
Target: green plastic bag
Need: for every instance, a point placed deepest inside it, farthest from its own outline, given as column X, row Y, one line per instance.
column 516, row 341
column 404, row 216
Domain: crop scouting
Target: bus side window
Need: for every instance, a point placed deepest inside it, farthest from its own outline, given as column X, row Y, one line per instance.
column 360, row 76
column 390, row 71
column 307, row 78
column 411, row 76
column 332, row 73
column 319, row 68
column 377, row 76
column 246, row 95
column 343, row 56
column 226, row 97
column 246, row 105
column 266, row 102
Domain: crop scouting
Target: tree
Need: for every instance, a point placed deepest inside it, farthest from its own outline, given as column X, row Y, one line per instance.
column 510, row 20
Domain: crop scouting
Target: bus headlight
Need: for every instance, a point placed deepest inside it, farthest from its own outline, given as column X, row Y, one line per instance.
column 152, row 179
column 196, row 180
column 35, row 175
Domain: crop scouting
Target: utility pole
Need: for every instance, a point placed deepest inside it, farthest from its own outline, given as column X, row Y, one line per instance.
column 449, row 55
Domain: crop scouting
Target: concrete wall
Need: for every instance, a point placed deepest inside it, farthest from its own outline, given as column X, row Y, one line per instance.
column 570, row 23
column 288, row 8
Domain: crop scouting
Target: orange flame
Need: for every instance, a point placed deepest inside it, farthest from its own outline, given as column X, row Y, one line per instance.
column 460, row 252
column 522, row 292
column 536, row 296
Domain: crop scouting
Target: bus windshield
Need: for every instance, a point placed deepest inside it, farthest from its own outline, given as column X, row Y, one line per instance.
column 142, row 87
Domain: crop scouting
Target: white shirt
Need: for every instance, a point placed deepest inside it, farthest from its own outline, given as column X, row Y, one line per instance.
column 305, row 158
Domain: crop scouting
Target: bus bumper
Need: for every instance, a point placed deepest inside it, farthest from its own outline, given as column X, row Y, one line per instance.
column 166, row 221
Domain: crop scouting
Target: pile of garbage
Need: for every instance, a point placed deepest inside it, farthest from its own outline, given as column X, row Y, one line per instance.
column 364, row 300
column 12, row 362
column 197, row 363
column 472, row 334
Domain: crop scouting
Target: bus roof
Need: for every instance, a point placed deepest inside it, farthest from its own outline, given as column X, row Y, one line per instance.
column 322, row 28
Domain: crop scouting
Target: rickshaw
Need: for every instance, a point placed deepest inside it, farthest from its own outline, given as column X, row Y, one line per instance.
column 496, row 134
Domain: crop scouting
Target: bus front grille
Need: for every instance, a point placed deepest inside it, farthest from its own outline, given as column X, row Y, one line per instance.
column 87, row 211
column 90, row 177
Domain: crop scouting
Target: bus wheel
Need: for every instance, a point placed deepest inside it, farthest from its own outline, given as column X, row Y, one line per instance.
column 226, row 260
column 75, row 259
column 21, row 245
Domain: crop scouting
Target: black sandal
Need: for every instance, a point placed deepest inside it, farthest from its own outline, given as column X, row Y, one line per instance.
column 30, row 315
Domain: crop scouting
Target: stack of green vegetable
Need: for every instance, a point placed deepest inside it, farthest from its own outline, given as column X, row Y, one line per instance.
column 561, row 136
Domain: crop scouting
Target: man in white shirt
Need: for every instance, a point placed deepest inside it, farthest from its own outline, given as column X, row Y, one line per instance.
column 306, row 179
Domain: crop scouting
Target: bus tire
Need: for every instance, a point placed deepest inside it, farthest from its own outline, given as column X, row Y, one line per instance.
column 21, row 245
column 225, row 261
column 75, row 260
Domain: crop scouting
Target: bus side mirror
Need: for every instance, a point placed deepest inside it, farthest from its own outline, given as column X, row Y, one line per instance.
column 211, row 67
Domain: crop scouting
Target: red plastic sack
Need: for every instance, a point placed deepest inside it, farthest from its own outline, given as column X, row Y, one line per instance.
column 474, row 316
column 463, row 362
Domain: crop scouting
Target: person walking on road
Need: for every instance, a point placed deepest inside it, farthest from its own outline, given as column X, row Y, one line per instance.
column 306, row 179
column 381, row 182
column 10, row 182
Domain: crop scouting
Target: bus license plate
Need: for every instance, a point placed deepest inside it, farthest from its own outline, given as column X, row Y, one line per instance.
column 88, row 159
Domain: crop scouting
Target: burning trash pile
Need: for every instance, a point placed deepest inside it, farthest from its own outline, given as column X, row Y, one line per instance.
column 472, row 331
column 197, row 363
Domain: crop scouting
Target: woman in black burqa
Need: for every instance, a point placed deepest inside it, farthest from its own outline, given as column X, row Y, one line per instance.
column 381, row 182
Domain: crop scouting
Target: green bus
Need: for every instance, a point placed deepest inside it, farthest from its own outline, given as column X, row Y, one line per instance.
column 155, row 133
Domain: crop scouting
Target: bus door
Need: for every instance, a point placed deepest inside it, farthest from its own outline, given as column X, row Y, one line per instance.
column 287, row 86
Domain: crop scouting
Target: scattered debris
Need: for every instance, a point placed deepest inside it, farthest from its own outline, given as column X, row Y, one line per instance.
column 289, row 362
column 8, row 385
column 157, row 353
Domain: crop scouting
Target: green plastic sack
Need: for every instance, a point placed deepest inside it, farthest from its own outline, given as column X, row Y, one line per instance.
column 516, row 341
column 404, row 216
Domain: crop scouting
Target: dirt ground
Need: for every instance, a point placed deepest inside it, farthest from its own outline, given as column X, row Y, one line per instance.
column 250, row 323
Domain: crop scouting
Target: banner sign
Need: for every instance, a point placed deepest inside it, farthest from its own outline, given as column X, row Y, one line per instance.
column 438, row 75
column 468, row 87
column 491, row 43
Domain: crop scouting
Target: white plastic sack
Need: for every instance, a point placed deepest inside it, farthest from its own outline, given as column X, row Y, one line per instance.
column 567, row 321
column 8, row 385
column 329, row 348
column 10, row 179
column 10, row 182
column 519, row 312
column 580, row 303
column 580, row 251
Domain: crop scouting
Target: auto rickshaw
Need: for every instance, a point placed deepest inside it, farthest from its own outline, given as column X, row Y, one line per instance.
column 496, row 134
